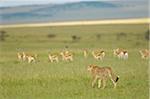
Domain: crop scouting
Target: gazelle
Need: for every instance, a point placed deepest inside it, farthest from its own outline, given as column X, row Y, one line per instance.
column 67, row 56
column 121, row 53
column 85, row 53
column 20, row 56
column 29, row 57
column 145, row 53
column 98, row 54
column 53, row 57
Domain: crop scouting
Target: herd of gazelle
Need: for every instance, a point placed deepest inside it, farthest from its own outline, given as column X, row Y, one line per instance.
column 99, row 74
column 68, row 55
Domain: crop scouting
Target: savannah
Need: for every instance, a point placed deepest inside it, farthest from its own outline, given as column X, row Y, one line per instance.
column 43, row 79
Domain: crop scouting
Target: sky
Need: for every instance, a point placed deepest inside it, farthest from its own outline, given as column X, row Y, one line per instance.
column 7, row 3
column 30, row 2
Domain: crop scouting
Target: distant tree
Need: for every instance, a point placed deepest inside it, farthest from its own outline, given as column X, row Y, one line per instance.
column 147, row 35
column 3, row 35
column 66, row 46
column 121, row 35
column 51, row 35
column 98, row 36
column 75, row 38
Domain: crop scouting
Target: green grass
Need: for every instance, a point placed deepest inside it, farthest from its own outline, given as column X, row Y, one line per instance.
column 70, row 80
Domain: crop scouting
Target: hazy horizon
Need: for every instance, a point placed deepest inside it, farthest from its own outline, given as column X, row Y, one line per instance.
column 74, row 11
column 12, row 3
column 9, row 3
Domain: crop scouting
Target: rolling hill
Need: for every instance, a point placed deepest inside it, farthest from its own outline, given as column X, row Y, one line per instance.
column 85, row 10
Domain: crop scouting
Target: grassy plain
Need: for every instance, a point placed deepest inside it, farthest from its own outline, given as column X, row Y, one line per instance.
column 70, row 80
